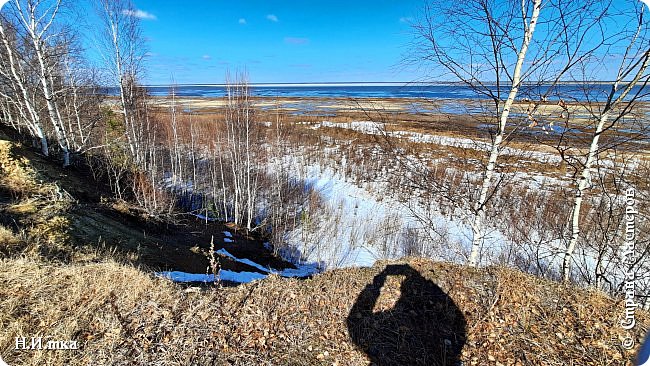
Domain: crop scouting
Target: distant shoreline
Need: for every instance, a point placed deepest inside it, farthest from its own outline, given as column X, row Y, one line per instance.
column 566, row 91
column 362, row 83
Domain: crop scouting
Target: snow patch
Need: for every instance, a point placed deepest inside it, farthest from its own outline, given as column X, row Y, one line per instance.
column 303, row 270
column 204, row 218
column 224, row 275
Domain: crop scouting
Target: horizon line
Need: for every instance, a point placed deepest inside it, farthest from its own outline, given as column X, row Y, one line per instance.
column 357, row 83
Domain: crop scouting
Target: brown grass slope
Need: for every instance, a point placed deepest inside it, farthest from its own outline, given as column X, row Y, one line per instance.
column 412, row 311
column 121, row 316
column 65, row 215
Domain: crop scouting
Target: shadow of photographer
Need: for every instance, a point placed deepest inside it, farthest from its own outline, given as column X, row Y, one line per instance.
column 424, row 327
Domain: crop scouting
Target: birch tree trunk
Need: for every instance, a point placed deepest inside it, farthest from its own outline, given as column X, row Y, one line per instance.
column 584, row 180
column 17, row 75
column 37, row 26
column 478, row 225
column 123, row 51
column 52, row 108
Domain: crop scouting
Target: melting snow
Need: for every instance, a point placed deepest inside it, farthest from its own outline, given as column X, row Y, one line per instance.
column 224, row 275
column 204, row 218
column 239, row 277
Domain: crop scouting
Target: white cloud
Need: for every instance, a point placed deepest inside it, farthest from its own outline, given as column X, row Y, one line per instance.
column 406, row 20
column 242, row 21
column 139, row 14
column 272, row 17
column 206, row 57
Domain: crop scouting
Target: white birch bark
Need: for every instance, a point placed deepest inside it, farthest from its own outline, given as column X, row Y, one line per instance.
column 37, row 32
column 17, row 73
column 120, row 55
column 584, row 180
column 478, row 225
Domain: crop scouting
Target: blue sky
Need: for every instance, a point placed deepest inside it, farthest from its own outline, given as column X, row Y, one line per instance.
column 197, row 41
column 291, row 41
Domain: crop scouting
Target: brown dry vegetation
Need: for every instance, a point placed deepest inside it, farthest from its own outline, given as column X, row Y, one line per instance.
column 199, row 127
column 302, row 133
column 120, row 314
column 420, row 115
column 52, row 214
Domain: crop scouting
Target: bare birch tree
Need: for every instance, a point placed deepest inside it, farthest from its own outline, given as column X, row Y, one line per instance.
column 17, row 88
column 493, row 48
column 39, row 49
column 606, row 113
column 483, row 44
column 122, row 48
column 242, row 133
column 80, row 96
column 37, row 17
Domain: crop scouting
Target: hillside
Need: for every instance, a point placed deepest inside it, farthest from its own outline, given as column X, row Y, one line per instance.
column 78, row 267
column 67, row 216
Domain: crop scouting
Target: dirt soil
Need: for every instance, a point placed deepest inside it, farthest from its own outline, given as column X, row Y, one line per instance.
column 96, row 223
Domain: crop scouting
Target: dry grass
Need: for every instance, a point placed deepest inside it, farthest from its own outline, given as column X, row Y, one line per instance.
column 70, row 303
column 35, row 208
column 10, row 242
column 16, row 176
column 120, row 315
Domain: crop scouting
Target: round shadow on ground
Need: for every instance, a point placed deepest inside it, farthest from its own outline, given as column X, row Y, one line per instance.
column 424, row 327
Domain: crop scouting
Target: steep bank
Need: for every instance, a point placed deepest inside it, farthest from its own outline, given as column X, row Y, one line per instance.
column 68, row 216
column 121, row 315
column 76, row 267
